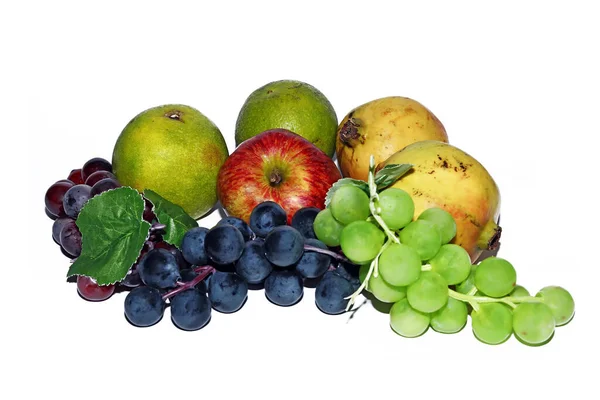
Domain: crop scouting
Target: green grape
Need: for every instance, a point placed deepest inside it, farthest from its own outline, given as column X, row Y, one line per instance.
column 451, row 318
column 399, row 265
column 385, row 292
column 495, row 277
column 560, row 302
column 493, row 323
column 519, row 291
column 349, row 204
column 327, row 229
column 397, row 208
column 361, row 241
column 423, row 236
column 465, row 286
column 452, row 262
column 443, row 220
column 533, row 323
column 406, row 321
column 429, row 293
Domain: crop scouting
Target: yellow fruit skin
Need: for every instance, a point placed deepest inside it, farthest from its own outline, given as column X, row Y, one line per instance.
column 174, row 150
column 381, row 128
column 446, row 177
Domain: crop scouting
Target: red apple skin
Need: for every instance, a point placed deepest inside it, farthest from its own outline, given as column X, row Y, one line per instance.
column 276, row 165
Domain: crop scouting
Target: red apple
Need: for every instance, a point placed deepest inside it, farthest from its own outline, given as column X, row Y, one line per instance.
column 275, row 165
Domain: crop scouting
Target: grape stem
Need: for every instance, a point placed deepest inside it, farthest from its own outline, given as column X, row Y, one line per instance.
column 391, row 236
column 373, row 196
column 203, row 272
column 330, row 253
column 373, row 269
column 475, row 301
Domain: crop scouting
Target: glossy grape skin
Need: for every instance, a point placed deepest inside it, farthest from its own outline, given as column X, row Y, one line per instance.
column 224, row 244
column 533, row 323
column 76, row 177
column 312, row 264
column 400, row 265
column 190, row 309
column 327, row 229
column 103, row 186
column 58, row 225
column 397, row 208
column 93, row 165
column 266, row 216
column 406, row 321
column 284, row 246
column 54, row 196
column 192, row 246
column 159, row 269
column 451, row 318
column 382, row 290
column 560, row 302
column 492, row 323
column 70, row 238
column 452, row 262
column 429, row 293
column 75, row 198
column 443, row 220
column 331, row 291
column 519, row 291
column 361, row 241
column 303, row 221
column 181, row 262
column 349, row 204
column 253, row 265
column 495, row 277
column 423, row 236
column 241, row 225
column 227, row 291
column 284, row 287
column 98, row 176
column 91, row 291
column 144, row 306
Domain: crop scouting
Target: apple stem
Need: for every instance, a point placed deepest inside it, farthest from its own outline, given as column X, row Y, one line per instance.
column 204, row 271
column 275, row 177
column 330, row 253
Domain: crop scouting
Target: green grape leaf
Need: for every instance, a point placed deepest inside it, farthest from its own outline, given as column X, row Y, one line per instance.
column 389, row 174
column 113, row 234
column 177, row 221
column 343, row 182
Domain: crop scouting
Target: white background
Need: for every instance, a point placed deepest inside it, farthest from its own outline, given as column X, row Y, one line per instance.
column 515, row 84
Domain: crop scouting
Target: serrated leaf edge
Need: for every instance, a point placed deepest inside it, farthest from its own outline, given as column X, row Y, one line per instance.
column 141, row 219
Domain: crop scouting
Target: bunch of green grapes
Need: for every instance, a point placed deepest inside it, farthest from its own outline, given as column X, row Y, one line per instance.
column 411, row 263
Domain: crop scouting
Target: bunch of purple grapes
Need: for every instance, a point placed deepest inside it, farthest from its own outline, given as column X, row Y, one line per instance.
column 216, row 267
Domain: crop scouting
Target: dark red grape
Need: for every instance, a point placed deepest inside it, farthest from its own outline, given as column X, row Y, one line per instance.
column 54, row 198
column 76, row 177
column 93, row 165
column 149, row 215
column 70, row 238
column 98, row 176
column 75, row 198
column 57, row 227
column 104, row 185
column 90, row 290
